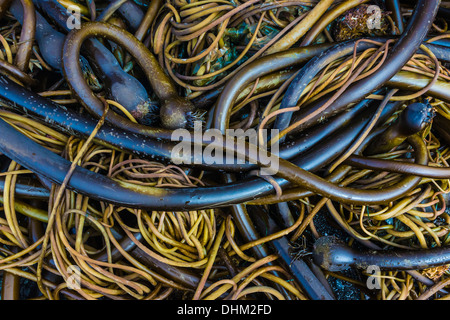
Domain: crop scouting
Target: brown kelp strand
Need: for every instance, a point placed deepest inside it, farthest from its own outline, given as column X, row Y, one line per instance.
column 175, row 112
column 222, row 150
column 124, row 194
column 402, row 50
column 413, row 119
column 121, row 87
column 335, row 256
column 60, row 118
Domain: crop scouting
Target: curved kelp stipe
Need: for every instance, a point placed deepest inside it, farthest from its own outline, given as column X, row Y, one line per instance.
column 43, row 162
